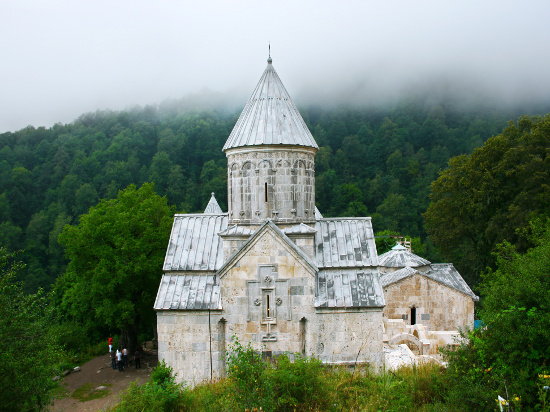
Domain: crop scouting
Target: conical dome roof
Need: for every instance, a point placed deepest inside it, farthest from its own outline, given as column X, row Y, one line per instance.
column 270, row 117
column 213, row 208
column 400, row 257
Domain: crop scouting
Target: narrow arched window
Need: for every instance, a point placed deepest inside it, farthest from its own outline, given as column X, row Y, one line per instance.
column 265, row 187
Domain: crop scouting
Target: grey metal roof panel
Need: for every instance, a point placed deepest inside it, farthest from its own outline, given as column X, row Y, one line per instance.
column 318, row 214
column 300, row 229
column 337, row 288
column 400, row 257
column 267, row 224
column 447, row 274
column 237, row 230
column 345, row 242
column 444, row 273
column 195, row 244
column 213, row 208
column 270, row 117
column 393, row 277
column 188, row 292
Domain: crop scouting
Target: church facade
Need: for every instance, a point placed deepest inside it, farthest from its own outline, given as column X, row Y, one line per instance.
column 271, row 271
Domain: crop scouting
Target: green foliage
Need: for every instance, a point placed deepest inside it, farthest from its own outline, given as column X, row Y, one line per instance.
column 116, row 254
column 300, row 382
column 289, row 383
column 161, row 393
column 304, row 384
column 88, row 392
column 386, row 239
column 28, row 350
column 482, row 199
column 163, row 375
column 367, row 159
column 250, row 380
column 505, row 357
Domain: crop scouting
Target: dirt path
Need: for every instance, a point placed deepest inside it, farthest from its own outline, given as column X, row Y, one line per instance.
column 98, row 372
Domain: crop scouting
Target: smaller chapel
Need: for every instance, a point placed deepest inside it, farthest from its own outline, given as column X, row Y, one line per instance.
column 274, row 273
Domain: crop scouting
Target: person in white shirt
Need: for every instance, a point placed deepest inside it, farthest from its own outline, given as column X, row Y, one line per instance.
column 119, row 360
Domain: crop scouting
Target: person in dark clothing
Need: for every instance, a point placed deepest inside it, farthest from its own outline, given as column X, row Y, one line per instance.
column 137, row 359
column 113, row 359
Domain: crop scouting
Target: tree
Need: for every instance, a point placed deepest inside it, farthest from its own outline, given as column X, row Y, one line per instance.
column 213, row 179
column 512, row 350
column 386, row 239
column 115, row 263
column 28, row 349
column 481, row 199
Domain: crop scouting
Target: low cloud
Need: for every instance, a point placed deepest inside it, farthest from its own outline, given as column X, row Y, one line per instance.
column 66, row 58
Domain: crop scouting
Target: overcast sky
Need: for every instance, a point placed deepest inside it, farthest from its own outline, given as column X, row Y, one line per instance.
column 62, row 58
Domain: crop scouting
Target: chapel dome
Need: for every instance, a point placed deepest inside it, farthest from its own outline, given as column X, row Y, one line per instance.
column 399, row 257
column 270, row 117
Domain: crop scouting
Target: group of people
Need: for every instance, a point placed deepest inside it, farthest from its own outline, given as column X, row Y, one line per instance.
column 119, row 358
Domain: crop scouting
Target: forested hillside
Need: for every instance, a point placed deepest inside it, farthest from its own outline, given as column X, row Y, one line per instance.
column 378, row 163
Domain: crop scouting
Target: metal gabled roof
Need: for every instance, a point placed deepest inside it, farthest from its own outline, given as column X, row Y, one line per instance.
column 188, row 292
column 444, row 273
column 400, row 257
column 318, row 214
column 345, row 242
column 267, row 225
column 393, row 277
column 447, row 274
column 338, row 288
column 195, row 244
column 270, row 117
column 213, row 208
column 301, row 229
column 237, row 230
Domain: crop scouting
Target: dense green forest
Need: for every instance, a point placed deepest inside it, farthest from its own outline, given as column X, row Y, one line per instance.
column 471, row 186
column 371, row 162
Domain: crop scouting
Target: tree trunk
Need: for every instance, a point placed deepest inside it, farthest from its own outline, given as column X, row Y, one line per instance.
column 123, row 339
column 133, row 334
column 129, row 338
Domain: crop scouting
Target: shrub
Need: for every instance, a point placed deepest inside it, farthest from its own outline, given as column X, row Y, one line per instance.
column 161, row 393
column 248, row 375
column 28, row 349
column 299, row 383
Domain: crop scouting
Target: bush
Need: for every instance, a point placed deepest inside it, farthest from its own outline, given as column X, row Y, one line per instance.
column 299, row 383
column 161, row 393
column 28, row 350
column 248, row 375
column 304, row 384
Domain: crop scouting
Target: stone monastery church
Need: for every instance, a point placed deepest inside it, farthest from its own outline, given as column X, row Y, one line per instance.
column 273, row 272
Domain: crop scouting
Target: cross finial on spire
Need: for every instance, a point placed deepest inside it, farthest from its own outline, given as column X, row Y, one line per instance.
column 269, row 55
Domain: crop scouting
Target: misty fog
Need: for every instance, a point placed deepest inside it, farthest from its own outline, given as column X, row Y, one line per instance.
column 63, row 58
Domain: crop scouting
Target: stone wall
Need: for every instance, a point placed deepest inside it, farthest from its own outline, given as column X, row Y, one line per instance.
column 268, row 299
column 269, row 269
column 184, row 343
column 271, row 182
column 438, row 307
column 346, row 336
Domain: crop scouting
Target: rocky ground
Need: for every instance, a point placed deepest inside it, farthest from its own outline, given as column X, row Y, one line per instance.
column 97, row 377
column 397, row 356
